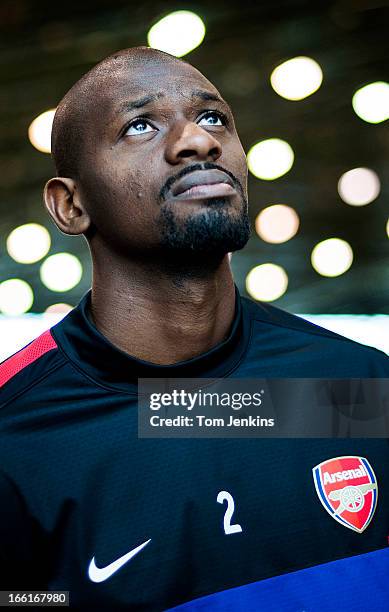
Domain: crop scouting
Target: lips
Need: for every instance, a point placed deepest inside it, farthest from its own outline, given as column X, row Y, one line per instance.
column 203, row 184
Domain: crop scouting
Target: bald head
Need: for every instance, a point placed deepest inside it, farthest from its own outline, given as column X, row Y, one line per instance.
column 72, row 115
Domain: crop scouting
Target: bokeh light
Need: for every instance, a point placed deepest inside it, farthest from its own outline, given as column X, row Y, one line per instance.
column 371, row 102
column 61, row 272
column 266, row 282
column 332, row 257
column 178, row 33
column 297, row 78
column 359, row 186
column 277, row 223
column 387, row 227
column 16, row 296
column 39, row 131
column 28, row 243
column 59, row 308
column 270, row 159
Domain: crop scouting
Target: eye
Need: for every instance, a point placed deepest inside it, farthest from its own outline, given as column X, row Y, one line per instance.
column 213, row 118
column 138, row 126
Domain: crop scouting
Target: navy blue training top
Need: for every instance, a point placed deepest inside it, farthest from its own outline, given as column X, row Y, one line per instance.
column 124, row 523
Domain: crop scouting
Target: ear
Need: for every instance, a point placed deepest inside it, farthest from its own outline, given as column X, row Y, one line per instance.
column 63, row 203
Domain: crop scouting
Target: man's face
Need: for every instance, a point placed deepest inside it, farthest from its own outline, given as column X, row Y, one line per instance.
column 163, row 170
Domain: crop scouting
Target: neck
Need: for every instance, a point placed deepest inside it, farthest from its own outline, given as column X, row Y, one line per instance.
column 162, row 315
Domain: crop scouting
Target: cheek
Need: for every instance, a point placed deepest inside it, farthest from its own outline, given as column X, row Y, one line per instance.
column 131, row 177
column 136, row 189
column 121, row 203
column 235, row 160
column 243, row 169
column 242, row 160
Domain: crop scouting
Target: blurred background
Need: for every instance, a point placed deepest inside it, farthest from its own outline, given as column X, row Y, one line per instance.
column 307, row 82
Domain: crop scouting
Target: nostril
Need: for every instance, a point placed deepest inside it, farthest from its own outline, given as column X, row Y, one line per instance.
column 214, row 152
column 188, row 153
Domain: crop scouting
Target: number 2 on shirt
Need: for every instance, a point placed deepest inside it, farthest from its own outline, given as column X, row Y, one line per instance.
column 228, row 528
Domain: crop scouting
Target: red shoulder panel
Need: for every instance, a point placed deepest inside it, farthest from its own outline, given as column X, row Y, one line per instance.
column 38, row 347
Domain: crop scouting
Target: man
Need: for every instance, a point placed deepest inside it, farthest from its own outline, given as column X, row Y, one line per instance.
column 151, row 171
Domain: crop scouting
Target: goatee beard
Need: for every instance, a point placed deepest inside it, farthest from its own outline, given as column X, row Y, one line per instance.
column 216, row 231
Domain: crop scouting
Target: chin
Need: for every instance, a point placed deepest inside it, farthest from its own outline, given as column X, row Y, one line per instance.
column 218, row 230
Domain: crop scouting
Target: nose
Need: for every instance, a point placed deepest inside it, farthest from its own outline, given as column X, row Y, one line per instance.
column 190, row 140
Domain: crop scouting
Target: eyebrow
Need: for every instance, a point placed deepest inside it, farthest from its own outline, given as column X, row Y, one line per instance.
column 130, row 105
column 206, row 95
column 139, row 103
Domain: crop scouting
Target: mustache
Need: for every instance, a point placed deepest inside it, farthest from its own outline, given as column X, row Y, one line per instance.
column 192, row 168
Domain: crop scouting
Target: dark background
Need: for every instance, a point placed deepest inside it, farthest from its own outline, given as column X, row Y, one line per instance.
column 46, row 46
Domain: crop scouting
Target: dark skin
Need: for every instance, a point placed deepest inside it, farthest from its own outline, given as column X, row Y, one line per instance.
column 152, row 117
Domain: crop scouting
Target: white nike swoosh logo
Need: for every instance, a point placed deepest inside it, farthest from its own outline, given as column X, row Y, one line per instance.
column 99, row 574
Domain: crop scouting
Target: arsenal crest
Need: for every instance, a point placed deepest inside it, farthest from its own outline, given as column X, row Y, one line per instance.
column 347, row 488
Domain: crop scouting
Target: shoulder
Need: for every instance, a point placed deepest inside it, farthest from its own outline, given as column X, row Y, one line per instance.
column 28, row 366
column 290, row 334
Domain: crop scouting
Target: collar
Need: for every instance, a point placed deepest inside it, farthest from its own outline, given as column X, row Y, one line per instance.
column 91, row 352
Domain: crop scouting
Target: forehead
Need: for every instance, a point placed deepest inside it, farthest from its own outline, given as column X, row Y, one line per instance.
column 134, row 80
